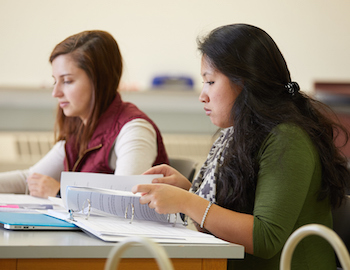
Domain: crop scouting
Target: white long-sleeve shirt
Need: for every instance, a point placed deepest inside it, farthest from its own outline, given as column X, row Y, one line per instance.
column 134, row 151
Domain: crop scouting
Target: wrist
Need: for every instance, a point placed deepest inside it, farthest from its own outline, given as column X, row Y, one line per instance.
column 188, row 185
column 188, row 202
column 205, row 214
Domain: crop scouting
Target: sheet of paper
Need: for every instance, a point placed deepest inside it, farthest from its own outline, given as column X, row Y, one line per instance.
column 115, row 202
column 19, row 210
column 56, row 201
column 114, row 229
column 98, row 180
column 23, row 199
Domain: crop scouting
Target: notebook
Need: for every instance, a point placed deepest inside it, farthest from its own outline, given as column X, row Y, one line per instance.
column 33, row 221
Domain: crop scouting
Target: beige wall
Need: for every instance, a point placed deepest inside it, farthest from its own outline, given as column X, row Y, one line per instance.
column 158, row 36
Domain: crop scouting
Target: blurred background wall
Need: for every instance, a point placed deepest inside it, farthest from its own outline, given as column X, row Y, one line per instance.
column 156, row 37
column 159, row 36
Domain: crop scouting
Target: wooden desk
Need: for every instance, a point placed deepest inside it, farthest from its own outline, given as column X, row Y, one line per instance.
column 76, row 250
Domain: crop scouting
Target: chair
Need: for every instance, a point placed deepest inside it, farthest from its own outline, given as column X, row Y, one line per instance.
column 156, row 250
column 314, row 229
column 341, row 222
column 187, row 167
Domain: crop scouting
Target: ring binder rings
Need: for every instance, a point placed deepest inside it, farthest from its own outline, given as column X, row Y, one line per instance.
column 174, row 223
column 88, row 212
column 71, row 215
column 88, row 209
column 82, row 211
column 87, row 201
column 132, row 212
column 104, row 214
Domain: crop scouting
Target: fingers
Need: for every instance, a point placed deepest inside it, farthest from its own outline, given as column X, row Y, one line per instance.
column 145, row 188
column 154, row 170
column 42, row 186
column 164, row 169
column 161, row 180
column 34, row 176
column 148, row 193
column 146, row 200
column 162, row 198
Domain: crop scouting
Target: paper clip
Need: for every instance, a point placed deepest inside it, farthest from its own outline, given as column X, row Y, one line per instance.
column 132, row 212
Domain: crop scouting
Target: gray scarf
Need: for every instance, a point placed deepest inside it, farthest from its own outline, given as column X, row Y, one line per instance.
column 204, row 184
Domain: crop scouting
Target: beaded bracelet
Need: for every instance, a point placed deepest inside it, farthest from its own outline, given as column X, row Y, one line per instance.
column 205, row 214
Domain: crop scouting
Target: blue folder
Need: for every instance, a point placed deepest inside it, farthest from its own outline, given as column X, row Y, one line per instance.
column 33, row 221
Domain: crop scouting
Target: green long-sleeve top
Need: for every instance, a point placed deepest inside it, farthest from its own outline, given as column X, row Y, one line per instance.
column 286, row 198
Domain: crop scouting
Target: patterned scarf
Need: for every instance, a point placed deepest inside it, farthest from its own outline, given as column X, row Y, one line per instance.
column 204, row 184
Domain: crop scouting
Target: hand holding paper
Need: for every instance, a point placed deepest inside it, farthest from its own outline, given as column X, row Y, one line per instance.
column 111, row 194
column 163, row 198
column 171, row 176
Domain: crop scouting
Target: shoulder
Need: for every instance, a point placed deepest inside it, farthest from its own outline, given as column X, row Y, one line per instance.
column 288, row 138
column 287, row 128
column 59, row 146
column 287, row 133
column 138, row 124
column 137, row 128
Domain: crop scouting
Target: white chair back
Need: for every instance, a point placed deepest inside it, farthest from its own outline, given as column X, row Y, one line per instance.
column 156, row 250
column 314, row 229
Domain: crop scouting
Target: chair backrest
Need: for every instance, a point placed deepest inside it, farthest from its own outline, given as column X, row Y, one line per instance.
column 314, row 229
column 341, row 222
column 154, row 248
column 187, row 167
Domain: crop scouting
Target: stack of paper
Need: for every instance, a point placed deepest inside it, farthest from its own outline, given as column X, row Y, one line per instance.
column 110, row 226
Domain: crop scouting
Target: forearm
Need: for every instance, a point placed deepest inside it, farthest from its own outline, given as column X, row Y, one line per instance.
column 223, row 223
column 52, row 163
column 13, row 181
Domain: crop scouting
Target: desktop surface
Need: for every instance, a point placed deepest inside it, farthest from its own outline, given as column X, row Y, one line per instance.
column 20, row 249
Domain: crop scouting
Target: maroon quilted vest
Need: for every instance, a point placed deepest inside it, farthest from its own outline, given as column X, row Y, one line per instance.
column 95, row 158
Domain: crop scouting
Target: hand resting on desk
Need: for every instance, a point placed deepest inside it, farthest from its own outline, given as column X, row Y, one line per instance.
column 42, row 185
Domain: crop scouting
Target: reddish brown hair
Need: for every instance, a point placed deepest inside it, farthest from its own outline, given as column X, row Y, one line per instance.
column 97, row 53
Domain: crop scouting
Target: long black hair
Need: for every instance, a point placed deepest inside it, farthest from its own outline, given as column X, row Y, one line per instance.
column 249, row 57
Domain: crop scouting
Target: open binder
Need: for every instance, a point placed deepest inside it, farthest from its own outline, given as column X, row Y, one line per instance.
column 99, row 201
column 104, row 206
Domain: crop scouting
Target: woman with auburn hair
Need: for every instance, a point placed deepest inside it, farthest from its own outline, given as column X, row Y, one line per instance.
column 274, row 168
column 95, row 130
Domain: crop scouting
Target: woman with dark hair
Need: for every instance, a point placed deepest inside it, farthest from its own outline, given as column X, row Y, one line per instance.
column 95, row 130
column 274, row 168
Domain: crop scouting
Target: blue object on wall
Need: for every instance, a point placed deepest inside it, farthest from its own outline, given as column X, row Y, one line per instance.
column 166, row 81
